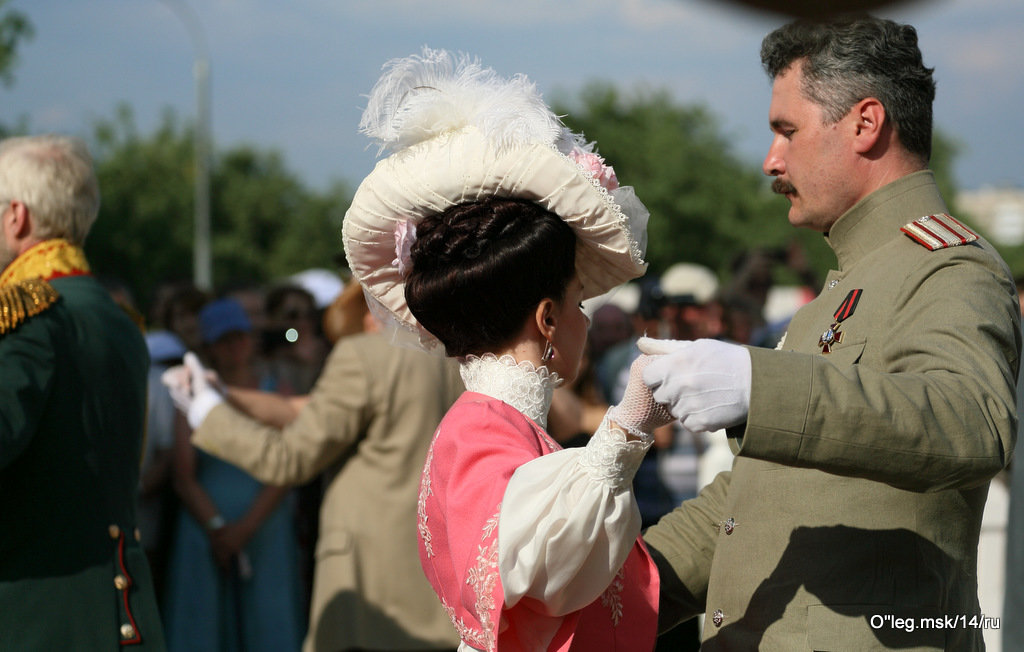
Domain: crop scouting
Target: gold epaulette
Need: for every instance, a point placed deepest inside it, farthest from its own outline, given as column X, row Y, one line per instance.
column 22, row 300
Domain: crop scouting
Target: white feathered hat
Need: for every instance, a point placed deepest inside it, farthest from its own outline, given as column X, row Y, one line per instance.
column 459, row 133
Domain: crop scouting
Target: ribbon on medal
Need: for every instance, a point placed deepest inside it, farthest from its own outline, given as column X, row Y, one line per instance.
column 832, row 334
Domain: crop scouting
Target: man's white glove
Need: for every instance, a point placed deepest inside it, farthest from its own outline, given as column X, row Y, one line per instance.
column 192, row 389
column 638, row 412
column 705, row 383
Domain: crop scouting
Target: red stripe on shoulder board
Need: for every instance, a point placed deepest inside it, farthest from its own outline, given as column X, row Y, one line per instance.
column 939, row 231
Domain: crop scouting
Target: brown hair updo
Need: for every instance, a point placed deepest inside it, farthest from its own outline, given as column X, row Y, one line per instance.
column 480, row 268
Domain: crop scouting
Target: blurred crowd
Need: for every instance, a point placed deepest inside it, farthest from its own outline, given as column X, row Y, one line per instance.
column 270, row 338
column 277, row 338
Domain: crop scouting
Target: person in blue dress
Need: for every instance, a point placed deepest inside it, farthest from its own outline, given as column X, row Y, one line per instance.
column 234, row 582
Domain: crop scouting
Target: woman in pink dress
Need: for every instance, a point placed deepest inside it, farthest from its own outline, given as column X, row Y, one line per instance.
column 482, row 233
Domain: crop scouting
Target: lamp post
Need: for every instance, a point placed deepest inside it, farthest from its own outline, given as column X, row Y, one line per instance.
column 202, row 274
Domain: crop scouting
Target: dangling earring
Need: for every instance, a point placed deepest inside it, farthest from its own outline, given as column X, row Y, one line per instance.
column 549, row 353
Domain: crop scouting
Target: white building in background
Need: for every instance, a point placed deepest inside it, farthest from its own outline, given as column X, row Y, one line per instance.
column 997, row 211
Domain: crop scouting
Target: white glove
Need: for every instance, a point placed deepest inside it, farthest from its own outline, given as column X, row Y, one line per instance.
column 192, row 389
column 638, row 412
column 705, row 383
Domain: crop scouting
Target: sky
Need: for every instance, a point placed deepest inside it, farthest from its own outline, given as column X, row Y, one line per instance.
column 292, row 76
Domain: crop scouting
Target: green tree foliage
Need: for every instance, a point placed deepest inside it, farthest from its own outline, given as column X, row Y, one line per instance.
column 944, row 152
column 14, row 28
column 143, row 234
column 265, row 223
column 706, row 205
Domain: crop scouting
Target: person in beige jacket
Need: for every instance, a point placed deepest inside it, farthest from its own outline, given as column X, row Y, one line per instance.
column 867, row 441
column 368, row 423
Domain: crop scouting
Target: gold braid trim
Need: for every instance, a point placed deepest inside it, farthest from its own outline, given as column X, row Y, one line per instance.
column 22, row 300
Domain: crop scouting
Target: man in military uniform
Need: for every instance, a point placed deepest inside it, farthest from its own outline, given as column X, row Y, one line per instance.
column 867, row 441
column 73, row 396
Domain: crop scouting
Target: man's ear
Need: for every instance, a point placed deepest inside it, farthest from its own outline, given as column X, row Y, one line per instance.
column 869, row 121
column 17, row 221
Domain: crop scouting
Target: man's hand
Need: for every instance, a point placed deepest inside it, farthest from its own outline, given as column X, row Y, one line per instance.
column 705, row 383
column 192, row 388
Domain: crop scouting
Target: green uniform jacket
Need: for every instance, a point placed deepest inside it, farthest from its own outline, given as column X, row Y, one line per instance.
column 856, row 497
column 72, row 416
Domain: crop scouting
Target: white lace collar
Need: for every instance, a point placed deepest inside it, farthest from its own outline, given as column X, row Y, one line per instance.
column 520, row 384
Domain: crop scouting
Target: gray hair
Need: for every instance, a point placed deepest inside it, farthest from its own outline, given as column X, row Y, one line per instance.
column 53, row 176
column 851, row 58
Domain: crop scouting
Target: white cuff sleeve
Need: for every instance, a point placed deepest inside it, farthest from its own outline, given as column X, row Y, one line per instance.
column 568, row 521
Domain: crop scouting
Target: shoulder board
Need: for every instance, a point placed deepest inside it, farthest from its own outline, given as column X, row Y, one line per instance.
column 938, row 231
column 22, row 300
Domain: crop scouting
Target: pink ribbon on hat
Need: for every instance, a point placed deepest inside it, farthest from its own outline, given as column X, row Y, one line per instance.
column 405, row 235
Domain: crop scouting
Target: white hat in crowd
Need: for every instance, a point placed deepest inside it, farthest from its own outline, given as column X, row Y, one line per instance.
column 688, row 283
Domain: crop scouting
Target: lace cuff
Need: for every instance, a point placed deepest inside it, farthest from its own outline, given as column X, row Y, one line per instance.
column 611, row 457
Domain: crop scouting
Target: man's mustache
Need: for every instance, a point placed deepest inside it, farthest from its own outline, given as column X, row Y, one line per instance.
column 782, row 187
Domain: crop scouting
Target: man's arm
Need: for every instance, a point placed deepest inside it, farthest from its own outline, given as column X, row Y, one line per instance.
column 331, row 421
column 266, row 407
column 682, row 544
column 27, row 367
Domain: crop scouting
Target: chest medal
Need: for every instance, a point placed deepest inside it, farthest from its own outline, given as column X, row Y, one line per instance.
column 833, row 335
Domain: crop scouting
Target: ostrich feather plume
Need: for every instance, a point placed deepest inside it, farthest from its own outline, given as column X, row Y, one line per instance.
column 424, row 96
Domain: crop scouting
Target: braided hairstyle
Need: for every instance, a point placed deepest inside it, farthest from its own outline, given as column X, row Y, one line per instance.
column 479, row 269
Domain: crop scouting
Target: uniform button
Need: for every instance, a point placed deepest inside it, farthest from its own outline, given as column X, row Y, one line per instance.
column 717, row 617
column 114, row 531
column 729, row 525
column 120, row 582
column 127, row 631
column 138, row 534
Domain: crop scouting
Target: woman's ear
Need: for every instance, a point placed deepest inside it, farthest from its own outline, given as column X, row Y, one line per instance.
column 546, row 318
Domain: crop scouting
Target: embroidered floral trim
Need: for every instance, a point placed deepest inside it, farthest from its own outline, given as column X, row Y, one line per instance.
column 461, row 628
column 426, row 491
column 612, row 596
column 611, row 458
column 482, row 578
column 519, row 384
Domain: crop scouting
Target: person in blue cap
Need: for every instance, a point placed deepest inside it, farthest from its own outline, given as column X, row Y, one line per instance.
column 234, row 578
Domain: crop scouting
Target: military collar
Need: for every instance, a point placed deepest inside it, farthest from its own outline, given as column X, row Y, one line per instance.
column 46, row 260
column 878, row 217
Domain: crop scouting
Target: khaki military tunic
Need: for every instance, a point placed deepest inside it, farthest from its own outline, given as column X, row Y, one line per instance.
column 850, row 519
